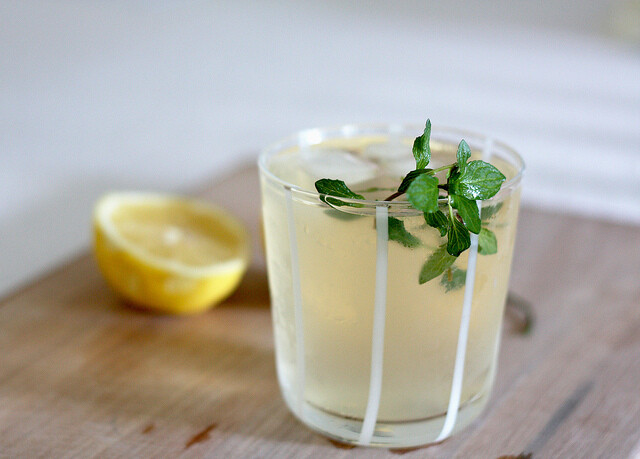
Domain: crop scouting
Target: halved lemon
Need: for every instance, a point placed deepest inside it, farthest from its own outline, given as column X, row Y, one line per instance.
column 169, row 253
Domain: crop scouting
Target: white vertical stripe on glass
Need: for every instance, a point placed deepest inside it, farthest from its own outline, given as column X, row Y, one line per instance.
column 458, row 370
column 297, row 303
column 463, row 334
column 379, row 313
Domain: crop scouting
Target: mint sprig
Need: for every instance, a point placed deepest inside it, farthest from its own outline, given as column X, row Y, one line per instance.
column 437, row 220
column 329, row 188
column 466, row 183
column 478, row 180
column 398, row 233
column 453, row 278
column 463, row 154
column 489, row 212
column 436, row 264
column 487, row 242
column 423, row 193
column 468, row 211
column 458, row 237
column 421, row 147
column 410, row 177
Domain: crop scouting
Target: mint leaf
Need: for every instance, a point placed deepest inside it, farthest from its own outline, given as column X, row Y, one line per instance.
column 468, row 210
column 453, row 175
column 437, row 220
column 463, row 154
column 421, row 148
column 423, row 193
column 490, row 211
column 478, row 180
column 458, row 237
column 487, row 242
column 410, row 177
column 336, row 188
column 398, row 233
column 436, row 264
column 453, row 279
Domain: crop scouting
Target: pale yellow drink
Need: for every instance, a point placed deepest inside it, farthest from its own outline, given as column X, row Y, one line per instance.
column 336, row 253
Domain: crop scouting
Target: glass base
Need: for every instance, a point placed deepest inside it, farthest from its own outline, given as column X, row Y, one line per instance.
column 387, row 434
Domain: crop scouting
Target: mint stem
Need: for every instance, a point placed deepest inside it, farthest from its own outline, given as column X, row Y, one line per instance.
column 443, row 168
column 394, row 195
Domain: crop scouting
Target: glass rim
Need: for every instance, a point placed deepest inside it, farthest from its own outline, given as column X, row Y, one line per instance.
column 347, row 130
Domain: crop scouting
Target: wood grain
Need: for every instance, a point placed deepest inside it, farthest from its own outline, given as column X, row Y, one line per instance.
column 82, row 375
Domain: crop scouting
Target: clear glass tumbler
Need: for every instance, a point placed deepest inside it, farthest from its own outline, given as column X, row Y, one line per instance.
column 365, row 354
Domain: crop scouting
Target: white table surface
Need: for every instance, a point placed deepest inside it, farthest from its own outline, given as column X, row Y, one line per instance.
column 160, row 96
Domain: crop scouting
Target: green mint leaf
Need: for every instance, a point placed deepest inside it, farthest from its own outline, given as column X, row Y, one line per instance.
column 487, row 242
column 398, row 233
column 490, row 211
column 468, row 210
column 453, row 279
column 336, row 188
column 458, row 238
column 437, row 220
column 421, row 148
column 410, row 177
column 436, row 264
column 423, row 193
column 463, row 154
column 453, row 175
column 478, row 180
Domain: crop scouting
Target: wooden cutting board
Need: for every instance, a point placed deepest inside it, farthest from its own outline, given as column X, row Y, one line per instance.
column 82, row 375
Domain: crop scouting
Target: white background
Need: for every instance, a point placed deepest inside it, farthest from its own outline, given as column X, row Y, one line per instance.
column 163, row 95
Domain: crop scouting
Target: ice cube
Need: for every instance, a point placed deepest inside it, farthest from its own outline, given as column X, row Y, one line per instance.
column 286, row 167
column 386, row 151
column 398, row 168
column 394, row 157
column 336, row 164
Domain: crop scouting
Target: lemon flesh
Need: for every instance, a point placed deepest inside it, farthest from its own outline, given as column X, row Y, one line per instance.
column 168, row 253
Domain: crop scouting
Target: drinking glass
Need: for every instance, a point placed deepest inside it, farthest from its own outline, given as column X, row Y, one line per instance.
column 365, row 354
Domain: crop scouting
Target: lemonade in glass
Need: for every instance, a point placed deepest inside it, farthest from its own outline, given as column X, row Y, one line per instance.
column 366, row 353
